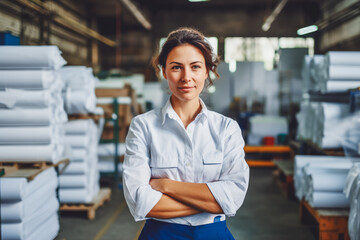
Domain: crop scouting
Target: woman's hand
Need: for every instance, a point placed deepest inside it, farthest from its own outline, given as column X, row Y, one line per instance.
column 159, row 184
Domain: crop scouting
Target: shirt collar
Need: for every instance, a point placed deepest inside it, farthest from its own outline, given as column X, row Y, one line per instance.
column 170, row 112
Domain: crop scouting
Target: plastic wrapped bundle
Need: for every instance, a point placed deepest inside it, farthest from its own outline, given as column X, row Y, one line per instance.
column 302, row 160
column 80, row 181
column 317, row 72
column 325, row 178
column 31, row 57
column 80, row 89
column 352, row 191
column 29, row 210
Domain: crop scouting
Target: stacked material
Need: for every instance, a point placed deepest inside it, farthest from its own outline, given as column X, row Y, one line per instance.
column 31, row 105
column 79, row 85
column 29, row 210
column 325, row 124
column 80, row 181
column 333, row 72
column 341, row 71
column 106, row 155
column 352, row 191
column 321, row 179
column 263, row 126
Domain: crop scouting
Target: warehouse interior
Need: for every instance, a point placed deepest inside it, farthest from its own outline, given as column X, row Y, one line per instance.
column 74, row 74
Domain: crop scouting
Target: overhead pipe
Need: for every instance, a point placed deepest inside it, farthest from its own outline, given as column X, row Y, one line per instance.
column 137, row 14
column 67, row 22
column 269, row 20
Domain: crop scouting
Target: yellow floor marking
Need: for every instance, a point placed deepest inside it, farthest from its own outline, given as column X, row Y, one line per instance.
column 139, row 231
column 110, row 222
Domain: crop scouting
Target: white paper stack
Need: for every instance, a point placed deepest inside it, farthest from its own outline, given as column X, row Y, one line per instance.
column 352, row 191
column 29, row 210
column 321, row 179
column 79, row 89
column 325, row 124
column 31, row 104
column 263, row 125
column 80, row 181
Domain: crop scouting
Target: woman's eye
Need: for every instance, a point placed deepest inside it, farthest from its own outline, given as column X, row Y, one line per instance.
column 196, row 67
column 176, row 67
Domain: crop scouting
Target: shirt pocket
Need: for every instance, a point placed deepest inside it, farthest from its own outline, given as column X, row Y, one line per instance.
column 164, row 165
column 212, row 163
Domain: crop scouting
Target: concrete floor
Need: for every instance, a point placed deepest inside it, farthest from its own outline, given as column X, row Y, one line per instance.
column 265, row 215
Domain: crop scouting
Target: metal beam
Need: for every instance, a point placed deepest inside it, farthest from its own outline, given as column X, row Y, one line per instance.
column 67, row 22
column 269, row 20
column 137, row 14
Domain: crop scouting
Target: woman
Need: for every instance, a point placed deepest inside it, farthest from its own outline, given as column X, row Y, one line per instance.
column 184, row 168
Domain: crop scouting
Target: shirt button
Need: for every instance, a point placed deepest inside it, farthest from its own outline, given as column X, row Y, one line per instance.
column 188, row 164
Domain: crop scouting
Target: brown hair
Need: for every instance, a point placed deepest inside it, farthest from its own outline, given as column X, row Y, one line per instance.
column 193, row 37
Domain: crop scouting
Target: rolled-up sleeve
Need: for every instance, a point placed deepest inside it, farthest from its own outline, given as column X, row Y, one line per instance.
column 233, row 183
column 139, row 195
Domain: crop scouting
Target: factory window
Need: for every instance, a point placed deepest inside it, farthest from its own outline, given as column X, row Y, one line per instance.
column 261, row 49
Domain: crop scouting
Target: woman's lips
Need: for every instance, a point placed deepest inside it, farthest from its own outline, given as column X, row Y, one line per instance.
column 186, row 89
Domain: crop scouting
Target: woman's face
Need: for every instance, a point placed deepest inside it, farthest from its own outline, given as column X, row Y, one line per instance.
column 185, row 72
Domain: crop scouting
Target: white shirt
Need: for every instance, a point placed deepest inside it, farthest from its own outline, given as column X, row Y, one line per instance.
column 209, row 151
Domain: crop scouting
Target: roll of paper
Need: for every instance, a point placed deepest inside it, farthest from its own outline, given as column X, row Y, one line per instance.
column 27, row 79
column 343, row 58
column 28, row 226
column 24, row 153
column 31, row 57
column 343, row 72
column 15, row 212
column 329, row 200
column 26, row 117
column 73, row 181
column 28, row 135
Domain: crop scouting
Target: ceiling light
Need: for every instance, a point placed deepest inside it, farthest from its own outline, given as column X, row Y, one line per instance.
column 306, row 30
column 198, row 0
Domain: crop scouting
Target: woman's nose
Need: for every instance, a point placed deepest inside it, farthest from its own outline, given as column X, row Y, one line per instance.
column 186, row 77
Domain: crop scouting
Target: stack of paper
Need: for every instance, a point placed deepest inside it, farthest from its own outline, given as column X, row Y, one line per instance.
column 321, row 179
column 29, row 210
column 31, row 104
column 352, row 191
column 80, row 181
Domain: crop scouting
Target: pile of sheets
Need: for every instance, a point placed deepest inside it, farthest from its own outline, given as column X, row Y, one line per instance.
column 79, row 87
column 31, row 104
column 334, row 72
column 321, row 180
column 325, row 124
column 80, row 181
column 29, row 210
column 263, row 125
column 352, row 191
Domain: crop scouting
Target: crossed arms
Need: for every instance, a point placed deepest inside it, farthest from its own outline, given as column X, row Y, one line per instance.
column 181, row 199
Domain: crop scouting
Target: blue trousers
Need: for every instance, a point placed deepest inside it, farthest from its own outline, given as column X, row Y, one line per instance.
column 157, row 230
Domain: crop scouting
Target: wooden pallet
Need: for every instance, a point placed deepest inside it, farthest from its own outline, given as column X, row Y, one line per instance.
column 329, row 224
column 283, row 176
column 11, row 166
column 28, row 170
column 78, row 116
column 90, row 208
